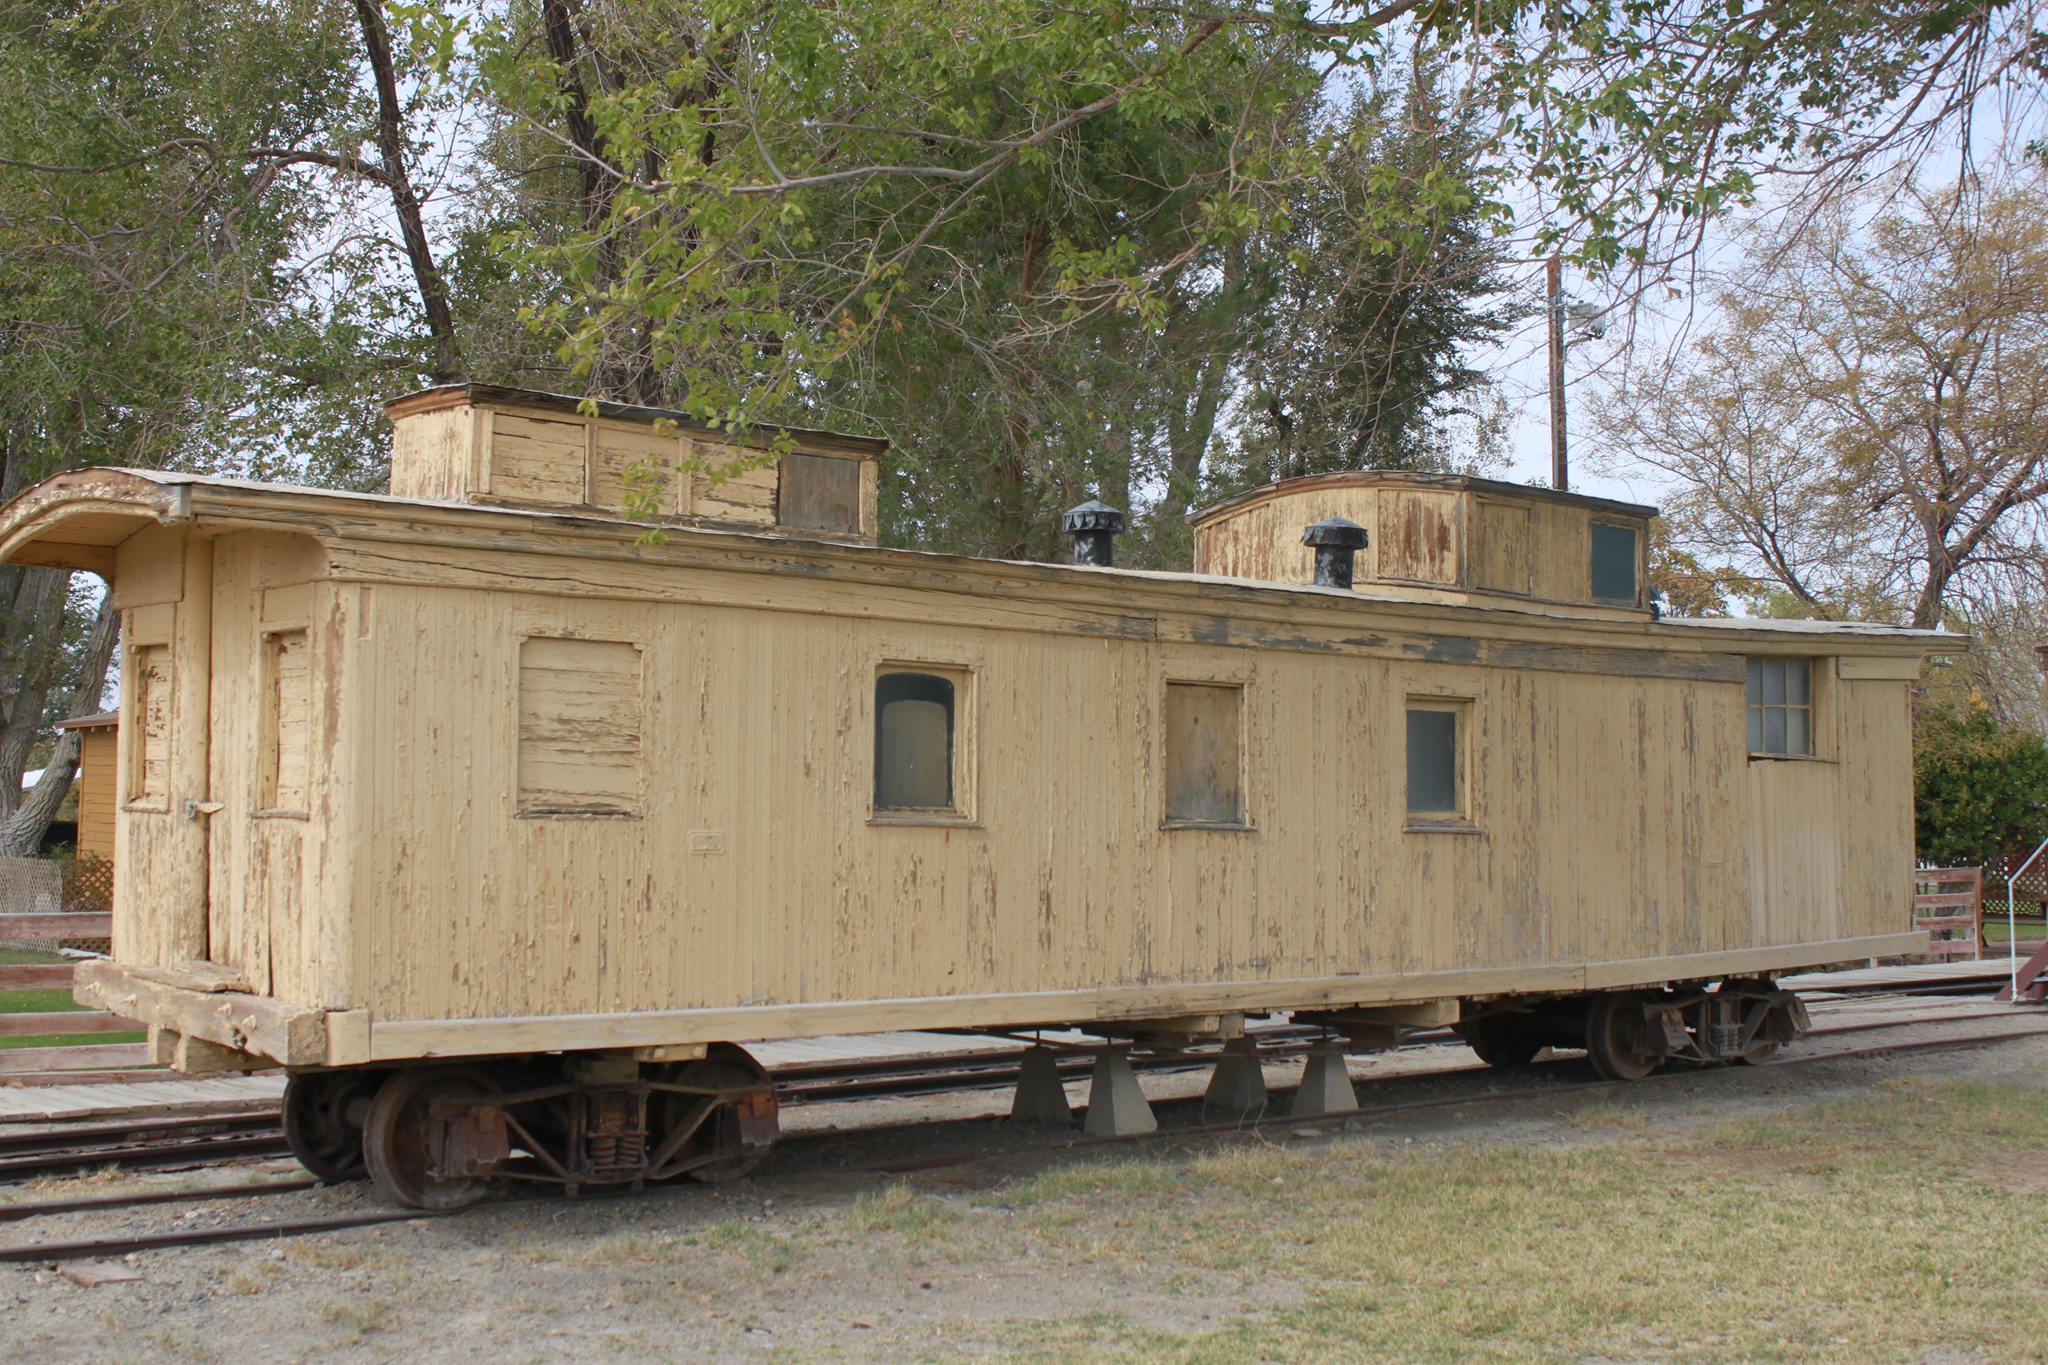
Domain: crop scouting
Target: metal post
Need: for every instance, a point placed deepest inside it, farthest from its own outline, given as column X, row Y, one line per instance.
column 2012, row 933
column 1560, row 478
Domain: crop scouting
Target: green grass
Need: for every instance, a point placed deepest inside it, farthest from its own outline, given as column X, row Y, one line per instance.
column 2030, row 931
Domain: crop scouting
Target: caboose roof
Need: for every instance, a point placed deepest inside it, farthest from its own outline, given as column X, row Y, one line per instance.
column 75, row 520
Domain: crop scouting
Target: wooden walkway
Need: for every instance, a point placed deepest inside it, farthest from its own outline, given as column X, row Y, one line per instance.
column 112, row 1100
column 1913, row 976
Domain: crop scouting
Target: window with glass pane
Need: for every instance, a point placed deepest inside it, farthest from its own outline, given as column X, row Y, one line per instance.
column 1433, row 786
column 1781, row 706
column 1614, row 563
column 914, row 742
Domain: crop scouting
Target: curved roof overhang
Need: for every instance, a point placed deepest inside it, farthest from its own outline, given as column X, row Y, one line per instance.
column 75, row 520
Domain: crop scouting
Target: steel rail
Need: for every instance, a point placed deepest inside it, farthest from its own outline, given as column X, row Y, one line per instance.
column 114, row 1246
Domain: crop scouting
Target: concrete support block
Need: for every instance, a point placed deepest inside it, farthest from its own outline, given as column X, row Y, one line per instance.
column 1325, row 1084
column 1116, row 1106
column 1238, row 1084
column 1041, row 1096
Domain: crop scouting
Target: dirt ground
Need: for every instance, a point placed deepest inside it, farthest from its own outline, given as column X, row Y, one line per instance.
column 1864, row 1208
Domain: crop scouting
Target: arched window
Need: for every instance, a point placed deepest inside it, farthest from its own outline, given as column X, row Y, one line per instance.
column 914, row 715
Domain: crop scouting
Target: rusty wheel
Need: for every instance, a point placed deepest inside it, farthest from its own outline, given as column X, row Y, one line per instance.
column 1761, row 1052
column 1617, row 1037
column 398, row 1141
column 721, row 1138
column 324, row 1114
column 1503, row 1040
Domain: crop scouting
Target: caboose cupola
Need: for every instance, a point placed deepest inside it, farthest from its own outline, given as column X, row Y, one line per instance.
column 1436, row 537
column 479, row 443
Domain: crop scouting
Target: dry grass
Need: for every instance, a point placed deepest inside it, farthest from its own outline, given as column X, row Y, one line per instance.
column 903, row 1211
column 1848, row 1232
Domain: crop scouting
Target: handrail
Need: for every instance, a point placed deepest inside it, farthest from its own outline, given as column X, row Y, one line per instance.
column 2012, row 936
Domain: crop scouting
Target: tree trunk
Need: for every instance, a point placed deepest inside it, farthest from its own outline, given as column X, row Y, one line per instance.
column 21, row 832
column 405, row 201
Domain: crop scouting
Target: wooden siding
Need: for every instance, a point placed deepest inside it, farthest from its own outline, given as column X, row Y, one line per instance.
column 1614, row 817
column 97, row 782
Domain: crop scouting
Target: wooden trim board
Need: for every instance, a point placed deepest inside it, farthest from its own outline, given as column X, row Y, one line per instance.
column 405, row 1039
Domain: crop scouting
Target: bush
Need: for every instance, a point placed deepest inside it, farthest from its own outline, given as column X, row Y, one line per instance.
column 1980, row 790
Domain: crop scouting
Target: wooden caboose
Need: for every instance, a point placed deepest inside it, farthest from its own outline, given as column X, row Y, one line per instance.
column 485, row 770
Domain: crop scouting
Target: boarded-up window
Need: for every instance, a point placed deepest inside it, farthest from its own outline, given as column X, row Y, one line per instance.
column 1204, row 754
column 914, row 741
column 1501, row 555
column 819, row 493
column 579, row 727
column 1436, row 785
column 150, row 749
column 286, row 724
column 1614, row 562
column 538, row 461
column 1781, row 706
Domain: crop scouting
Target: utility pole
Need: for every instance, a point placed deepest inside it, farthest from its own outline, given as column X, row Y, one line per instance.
column 1554, row 306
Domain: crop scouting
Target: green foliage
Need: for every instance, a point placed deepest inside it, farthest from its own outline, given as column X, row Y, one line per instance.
column 783, row 183
column 1980, row 789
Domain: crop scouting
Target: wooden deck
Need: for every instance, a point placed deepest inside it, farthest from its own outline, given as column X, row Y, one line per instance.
column 1955, row 971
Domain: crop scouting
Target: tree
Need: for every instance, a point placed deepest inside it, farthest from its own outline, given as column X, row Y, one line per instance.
column 778, row 195
column 1864, row 429
column 135, row 270
column 1980, row 788
column 1361, row 359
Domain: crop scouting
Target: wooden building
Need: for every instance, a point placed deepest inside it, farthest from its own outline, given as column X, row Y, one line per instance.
column 485, row 769
column 95, row 786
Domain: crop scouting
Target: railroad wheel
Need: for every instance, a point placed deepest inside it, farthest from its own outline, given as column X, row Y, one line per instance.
column 724, row 1067
column 398, row 1142
column 1761, row 1052
column 324, row 1114
column 1504, row 1040
column 1618, row 1037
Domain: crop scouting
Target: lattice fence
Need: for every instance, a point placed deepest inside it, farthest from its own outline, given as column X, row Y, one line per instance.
column 30, row 886
column 89, row 884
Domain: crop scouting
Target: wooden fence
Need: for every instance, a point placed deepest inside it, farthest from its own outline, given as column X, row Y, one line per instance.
column 1957, row 905
column 1948, row 902
column 69, row 1063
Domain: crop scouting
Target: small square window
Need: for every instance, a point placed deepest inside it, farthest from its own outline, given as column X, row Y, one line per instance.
column 919, row 734
column 1205, row 754
column 818, row 492
column 1614, row 562
column 1781, row 707
column 1436, row 761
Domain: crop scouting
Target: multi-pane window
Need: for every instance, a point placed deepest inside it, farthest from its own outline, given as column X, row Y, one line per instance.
column 1614, row 562
column 914, row 741
column 1436, row 767
column 1204, row 754
column 1781, row 706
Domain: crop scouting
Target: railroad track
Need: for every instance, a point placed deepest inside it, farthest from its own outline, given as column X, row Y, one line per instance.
column 144, row 1144
column 46, row 1252
column 159, row 1144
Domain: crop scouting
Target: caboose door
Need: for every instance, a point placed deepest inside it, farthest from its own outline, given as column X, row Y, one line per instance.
column 164, row 590
column 258, row 757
